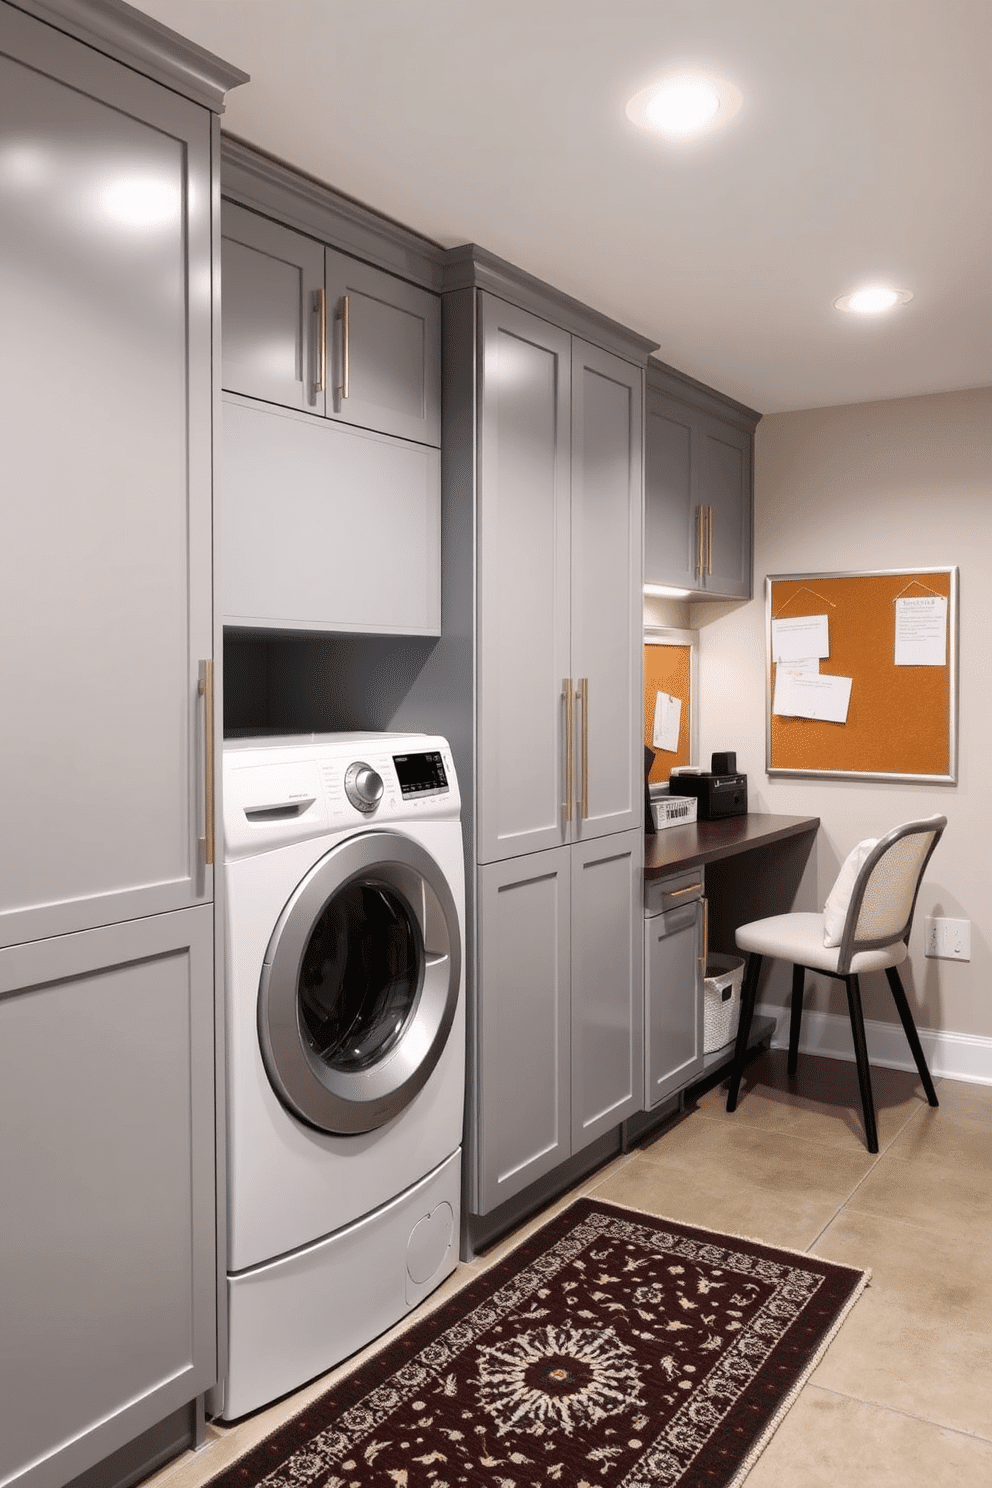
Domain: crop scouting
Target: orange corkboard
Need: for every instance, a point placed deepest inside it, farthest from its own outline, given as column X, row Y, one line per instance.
column 901, row 720
column 668, row 667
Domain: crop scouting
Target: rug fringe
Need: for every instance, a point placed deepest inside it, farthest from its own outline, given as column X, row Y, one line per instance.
column 797, row 1388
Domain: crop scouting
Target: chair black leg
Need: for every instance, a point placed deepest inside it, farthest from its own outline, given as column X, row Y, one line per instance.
column 861, row 1055
column 905, row 1013
column 795, row 1018
column 748, row 994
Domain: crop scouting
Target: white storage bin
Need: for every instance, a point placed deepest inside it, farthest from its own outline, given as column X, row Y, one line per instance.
column 721, row 1000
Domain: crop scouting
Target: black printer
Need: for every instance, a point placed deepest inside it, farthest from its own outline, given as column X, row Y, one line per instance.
column 718, row 792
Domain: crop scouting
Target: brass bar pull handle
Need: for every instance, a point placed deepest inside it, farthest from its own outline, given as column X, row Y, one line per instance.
column 320, row 309
column 677, row 893
column 583, row 696
column 706, row 935
column 205, row 690
column 700, row 530
column 709, row 540
column 567, row 699
column 344, row 315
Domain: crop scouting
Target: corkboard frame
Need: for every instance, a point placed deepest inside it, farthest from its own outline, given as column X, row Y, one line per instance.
column 676, row 669
column 902, row 721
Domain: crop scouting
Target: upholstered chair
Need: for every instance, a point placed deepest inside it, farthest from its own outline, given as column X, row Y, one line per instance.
column 864, row 927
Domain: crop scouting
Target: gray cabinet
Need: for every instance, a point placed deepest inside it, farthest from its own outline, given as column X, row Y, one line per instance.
column 105, row 570
column 331, row 465
column 559, row 1008
column 312, row 328
column 108, row 1248
column 698, row 487
column 560, row 810
column 327, row 528
column 673, row 991
column 559, row 537
column 107, row 1256
column 272, row 280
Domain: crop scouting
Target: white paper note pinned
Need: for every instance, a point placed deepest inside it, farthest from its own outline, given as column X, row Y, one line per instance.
column 803, row 636
column 810, row 695
column 921, row 631
column 667, row 721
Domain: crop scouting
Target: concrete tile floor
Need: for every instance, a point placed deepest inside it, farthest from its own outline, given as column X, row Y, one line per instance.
column 904, row 1393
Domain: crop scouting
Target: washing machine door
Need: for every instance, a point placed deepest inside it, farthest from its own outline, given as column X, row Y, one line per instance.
column 360, row 984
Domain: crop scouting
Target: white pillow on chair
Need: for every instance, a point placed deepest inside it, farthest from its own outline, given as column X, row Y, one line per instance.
column 835, row 909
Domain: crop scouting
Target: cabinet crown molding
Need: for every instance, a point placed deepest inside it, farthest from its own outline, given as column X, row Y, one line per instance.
column 268, row 185
column 471, row 267
column 131, row 37
column 661, row 378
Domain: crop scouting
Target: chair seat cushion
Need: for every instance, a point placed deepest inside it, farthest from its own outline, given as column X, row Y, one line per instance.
column 798, row 938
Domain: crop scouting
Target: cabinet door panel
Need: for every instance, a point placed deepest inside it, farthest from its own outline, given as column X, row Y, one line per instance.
column 724, row 461
column 523, row 581
column 673, row 997
column 607, row 985
column 328, row 527
column 670, row 531
column 105, row 574
column 107, row 1246
column 606, row 599
column 522, row 1084
column 271, row 276
column 391, row 342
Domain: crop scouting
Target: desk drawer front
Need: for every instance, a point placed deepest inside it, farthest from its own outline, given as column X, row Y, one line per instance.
column 664, row 894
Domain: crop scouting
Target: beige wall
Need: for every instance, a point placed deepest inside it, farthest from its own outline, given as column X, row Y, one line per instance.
column 900, row 484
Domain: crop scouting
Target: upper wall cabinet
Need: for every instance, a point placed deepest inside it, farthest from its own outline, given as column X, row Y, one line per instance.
column 698, row 487
column 318, row 330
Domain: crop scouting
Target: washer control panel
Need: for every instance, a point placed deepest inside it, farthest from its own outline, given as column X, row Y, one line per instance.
column 286, row 788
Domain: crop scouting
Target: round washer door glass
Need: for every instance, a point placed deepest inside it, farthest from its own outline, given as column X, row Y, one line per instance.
column 360, row 984
column 361, row 974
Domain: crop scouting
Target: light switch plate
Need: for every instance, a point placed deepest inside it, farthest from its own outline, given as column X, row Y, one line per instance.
column 950, row 940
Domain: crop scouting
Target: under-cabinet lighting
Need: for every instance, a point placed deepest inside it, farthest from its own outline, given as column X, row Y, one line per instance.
column 665, row 592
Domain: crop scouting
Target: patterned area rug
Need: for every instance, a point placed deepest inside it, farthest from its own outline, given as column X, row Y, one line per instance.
column 612, row 1349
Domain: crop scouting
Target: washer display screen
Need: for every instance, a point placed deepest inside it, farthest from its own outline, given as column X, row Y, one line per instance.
column 420, row 774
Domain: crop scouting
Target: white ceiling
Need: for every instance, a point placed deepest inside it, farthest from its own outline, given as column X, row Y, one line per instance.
column 862, row 152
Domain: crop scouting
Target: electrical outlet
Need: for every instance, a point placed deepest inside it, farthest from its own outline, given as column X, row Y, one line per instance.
column 948, row 939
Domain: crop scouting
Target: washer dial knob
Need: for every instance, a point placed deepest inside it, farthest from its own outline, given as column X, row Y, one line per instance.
column 363, row 786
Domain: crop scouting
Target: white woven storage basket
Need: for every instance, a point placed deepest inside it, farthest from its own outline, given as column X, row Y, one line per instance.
column 721, row 1000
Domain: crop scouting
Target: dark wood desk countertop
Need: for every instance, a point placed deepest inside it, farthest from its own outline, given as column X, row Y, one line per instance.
column 690, row 846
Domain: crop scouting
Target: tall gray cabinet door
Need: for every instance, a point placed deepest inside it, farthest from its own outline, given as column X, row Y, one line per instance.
column 723, row 459
column 523, row 581
column 606, row 596
column 273, row 311
column 383, row 351
column 522, row 1058
column 607, row 984
column 107, row 1242
column 105, row 562
column 672, row 550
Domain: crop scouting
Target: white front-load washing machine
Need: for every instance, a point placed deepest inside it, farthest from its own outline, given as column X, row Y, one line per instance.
column 345, row 1046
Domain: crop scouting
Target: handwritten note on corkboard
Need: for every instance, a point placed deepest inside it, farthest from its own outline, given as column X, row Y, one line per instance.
column 668, row 668
column 901, row 719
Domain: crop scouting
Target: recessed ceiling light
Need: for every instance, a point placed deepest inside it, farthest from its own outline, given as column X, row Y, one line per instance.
column 874, row 299
column 684, row 104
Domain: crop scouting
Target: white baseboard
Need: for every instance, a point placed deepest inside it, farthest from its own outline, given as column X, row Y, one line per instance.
column 955, row 1056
